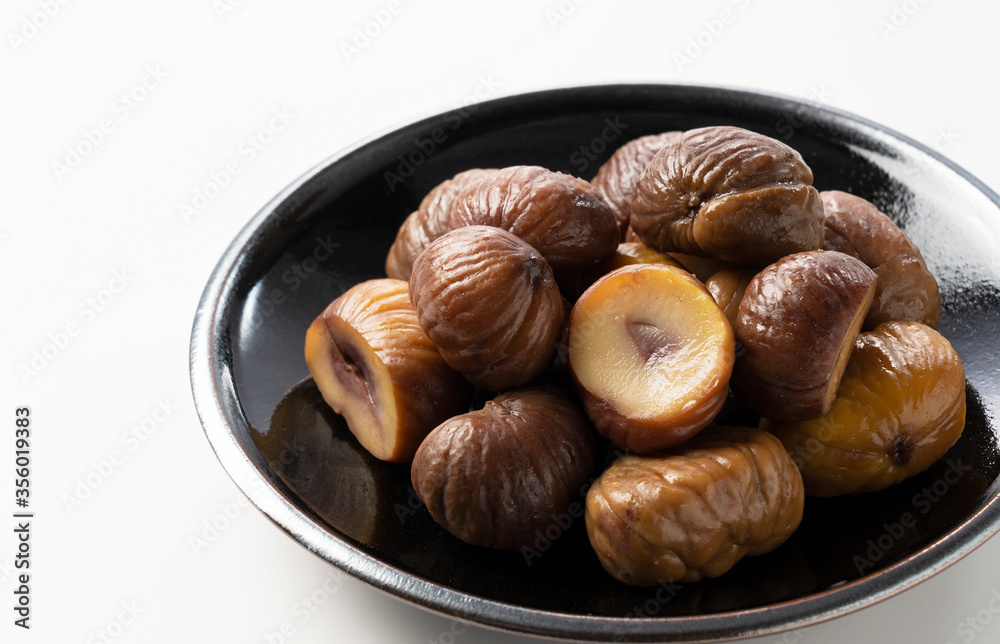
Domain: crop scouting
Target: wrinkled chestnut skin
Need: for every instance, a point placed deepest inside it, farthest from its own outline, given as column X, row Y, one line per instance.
column 906, row 290
column 375, row 366
column 495, row 477
column 900, row 406
column 795, row 328
column 489, row 302
column 727, row 287
column 427, row 223
column 728, row 193
column 695, row 510
column 565, row 218
column 616, row 179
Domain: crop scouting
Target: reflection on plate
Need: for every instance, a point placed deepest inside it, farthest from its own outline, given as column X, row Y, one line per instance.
column 298, row 462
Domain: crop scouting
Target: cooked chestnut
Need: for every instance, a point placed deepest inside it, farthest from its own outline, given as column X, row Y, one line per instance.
column 496, row 476
column 651, row 355
column 376, row 367
column 489, row 302
column 695, row 510
column 728, row 193
column 906, row 290
column 727, row 286
column 795, row 328
column 899, row 407
column 616, row 179
column 626, row 254
column 565, row 218
column 426, row 223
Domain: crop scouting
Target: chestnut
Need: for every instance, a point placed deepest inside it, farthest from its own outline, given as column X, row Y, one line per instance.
column 426, row 223
column 565, row 218
column 899, row 407
column 617, row 177
column 695, row 510
column 795, row 328
column 728, row 193
column 375, row 366
column 496, row 476
column 905, row 290
column 489, row 302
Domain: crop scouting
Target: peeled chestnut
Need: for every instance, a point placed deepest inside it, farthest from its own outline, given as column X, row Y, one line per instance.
column 496, row 476
column 489, row 302
column 375, row 366
column 651, row 355
column 616, row 179
column 565, row 218
column 626, row 254
column 426, row 224
column 727, row 286
column 899, row 407
column 695, row 510
column 795, row 327
column 728, row 193
column 906, row 290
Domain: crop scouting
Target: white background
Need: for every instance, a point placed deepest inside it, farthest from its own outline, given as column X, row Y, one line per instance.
column 103, row 249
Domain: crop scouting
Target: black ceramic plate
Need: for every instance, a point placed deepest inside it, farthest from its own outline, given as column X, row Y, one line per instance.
column 332, row 228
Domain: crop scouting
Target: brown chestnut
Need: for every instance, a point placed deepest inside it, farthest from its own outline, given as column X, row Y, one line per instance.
column 795, row 329
column 489, row 302
column 695, row 510
column 426, row 223
column 899, row 407
column 906, row 290
column 496, row 476
column 728, row 193
column 565, row 218
column 616, row 179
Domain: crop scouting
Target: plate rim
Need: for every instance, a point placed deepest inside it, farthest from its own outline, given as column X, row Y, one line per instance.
column 215, row 396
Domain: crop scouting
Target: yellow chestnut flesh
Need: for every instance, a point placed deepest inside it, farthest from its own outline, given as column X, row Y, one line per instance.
column 899, row 407
column 375, row 366
column 651, row 355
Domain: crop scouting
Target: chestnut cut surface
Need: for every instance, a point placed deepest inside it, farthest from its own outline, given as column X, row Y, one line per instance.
column 651, row 355
column 376, row 367
column 796, row 326
column 906, row 290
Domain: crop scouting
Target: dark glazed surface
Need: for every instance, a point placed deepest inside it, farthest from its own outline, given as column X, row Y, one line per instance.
column 299, row 463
